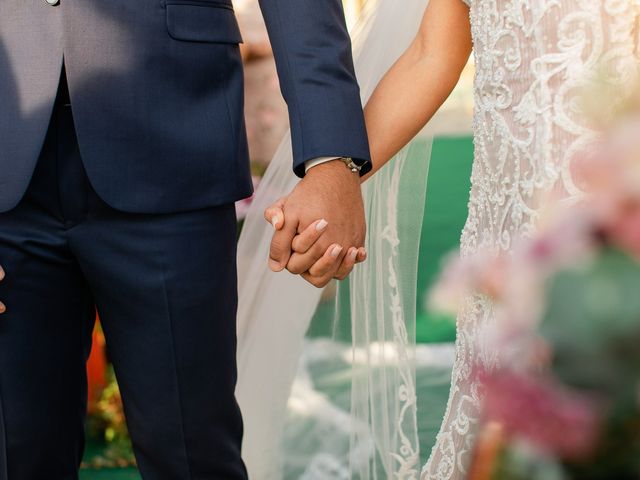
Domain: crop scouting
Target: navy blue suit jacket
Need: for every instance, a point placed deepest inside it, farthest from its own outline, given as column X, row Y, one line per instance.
column 157, row 94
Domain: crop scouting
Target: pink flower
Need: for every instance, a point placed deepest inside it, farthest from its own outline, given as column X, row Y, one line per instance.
column 623, row 229
column 612, row 167
column 484, row 273
column 243, row 206
column 567, row 239
column 611, row 176
column 542, row 412
column 456, row 282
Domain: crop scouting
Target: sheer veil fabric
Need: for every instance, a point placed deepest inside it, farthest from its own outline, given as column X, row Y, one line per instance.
column 533, row 64
column 379, row 300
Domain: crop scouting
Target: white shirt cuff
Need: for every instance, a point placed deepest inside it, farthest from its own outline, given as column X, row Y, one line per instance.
column 317, row 161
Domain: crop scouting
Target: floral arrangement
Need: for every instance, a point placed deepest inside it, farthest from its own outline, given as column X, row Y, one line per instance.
column 564, row 402
column 107, row 427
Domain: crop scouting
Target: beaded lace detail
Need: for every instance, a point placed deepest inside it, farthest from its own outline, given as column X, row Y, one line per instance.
column 534, row 59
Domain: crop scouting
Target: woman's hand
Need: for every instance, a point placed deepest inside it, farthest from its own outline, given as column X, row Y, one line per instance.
column 320, row 273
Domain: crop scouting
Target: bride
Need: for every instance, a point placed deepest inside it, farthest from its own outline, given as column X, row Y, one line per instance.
column 534, row 61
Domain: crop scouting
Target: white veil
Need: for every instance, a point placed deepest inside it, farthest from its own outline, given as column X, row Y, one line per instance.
column 275, row 310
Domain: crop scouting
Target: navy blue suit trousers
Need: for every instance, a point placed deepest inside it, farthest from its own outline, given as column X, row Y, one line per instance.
column 165, row 288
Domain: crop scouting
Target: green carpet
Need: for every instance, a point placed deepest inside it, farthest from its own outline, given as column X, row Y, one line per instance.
column 446, row 210
column 110, row 474
column 445, row 214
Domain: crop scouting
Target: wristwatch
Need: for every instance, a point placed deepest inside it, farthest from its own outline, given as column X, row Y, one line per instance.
column 351, row 165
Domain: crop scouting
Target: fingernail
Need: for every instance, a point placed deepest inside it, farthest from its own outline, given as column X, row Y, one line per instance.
column 2, row 308
column 337, row 250
column 275, row 221
column 322, row 224
column 353, row 254
column 275, row 266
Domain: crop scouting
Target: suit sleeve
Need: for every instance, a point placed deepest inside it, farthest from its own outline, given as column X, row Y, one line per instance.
column 313, row 55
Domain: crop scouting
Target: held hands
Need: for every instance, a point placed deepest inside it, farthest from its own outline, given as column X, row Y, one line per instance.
column 320, row 227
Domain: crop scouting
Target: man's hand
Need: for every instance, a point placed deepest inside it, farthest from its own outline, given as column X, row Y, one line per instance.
column 305, row 240
column 321, row 227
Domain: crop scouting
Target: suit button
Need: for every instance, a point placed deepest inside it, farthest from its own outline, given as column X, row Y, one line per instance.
column 52, row 2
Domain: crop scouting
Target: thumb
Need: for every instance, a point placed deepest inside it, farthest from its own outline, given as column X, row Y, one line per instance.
column 274, row 214
column 281, row 245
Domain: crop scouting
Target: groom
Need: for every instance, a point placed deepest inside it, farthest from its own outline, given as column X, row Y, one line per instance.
column 122, row 151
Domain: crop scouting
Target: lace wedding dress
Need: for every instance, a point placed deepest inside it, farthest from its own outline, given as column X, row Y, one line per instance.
column 534, row 61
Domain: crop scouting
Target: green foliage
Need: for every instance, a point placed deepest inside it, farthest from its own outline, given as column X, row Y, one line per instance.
column 107, row 427
column 525, row 463
column 592, row 324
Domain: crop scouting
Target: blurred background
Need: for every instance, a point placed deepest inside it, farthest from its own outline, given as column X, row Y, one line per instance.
column 109, row 454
